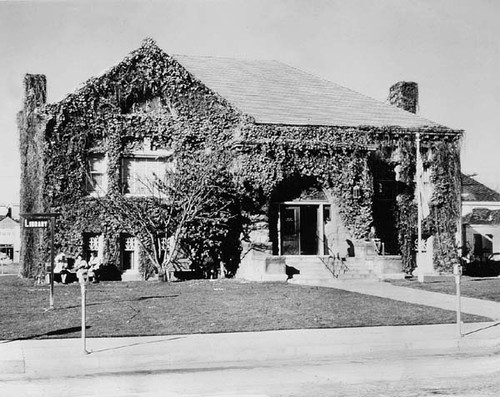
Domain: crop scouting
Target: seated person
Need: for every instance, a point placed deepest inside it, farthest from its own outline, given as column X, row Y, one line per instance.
column 82, row 269
column 95, row 265
column 61, row 266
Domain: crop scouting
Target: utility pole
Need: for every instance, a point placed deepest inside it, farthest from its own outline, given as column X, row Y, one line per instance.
column 419, row 203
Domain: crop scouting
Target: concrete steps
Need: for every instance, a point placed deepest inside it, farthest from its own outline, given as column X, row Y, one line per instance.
column 314, row 269
column 358, row 269
column 130, row 275
column 311, row 269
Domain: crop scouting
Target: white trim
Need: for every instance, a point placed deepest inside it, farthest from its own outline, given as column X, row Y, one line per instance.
column 479, row 203
column 155, row 154
column 320, row 228
column 305, row 202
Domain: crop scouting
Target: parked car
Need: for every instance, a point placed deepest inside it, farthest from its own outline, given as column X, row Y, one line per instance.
column 494, row 257
column 489, row 267
column 493, row 264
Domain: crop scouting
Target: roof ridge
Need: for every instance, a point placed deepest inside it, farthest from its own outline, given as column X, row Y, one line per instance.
column 225, row 57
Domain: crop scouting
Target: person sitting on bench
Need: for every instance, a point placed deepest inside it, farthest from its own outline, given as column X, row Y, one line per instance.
column 82, row 269
column 94, row 264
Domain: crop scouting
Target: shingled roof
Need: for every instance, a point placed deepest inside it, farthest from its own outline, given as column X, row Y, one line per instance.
column 473, row 190
column 482, row 216
column 274, row 93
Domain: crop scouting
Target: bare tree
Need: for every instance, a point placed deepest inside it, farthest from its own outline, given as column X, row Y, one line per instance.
column 197, row 189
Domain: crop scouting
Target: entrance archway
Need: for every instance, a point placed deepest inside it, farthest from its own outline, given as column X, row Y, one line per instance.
column 298, row 215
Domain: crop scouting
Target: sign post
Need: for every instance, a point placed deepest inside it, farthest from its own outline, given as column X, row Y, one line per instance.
column 84, row 314
column 42, row 221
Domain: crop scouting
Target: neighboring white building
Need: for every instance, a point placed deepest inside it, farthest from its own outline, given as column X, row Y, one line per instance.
column 10, row 240
column 480, row 218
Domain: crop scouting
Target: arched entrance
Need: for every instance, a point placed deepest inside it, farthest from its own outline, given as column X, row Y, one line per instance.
column 298, row 215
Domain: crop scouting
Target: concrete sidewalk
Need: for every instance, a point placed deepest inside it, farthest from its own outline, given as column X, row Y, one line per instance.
column 64, row 357
column 478, row 307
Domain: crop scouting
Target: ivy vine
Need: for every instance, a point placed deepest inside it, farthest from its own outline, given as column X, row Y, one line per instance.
column 150, row 95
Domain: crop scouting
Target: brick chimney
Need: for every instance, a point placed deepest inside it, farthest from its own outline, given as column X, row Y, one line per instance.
column 404, row 95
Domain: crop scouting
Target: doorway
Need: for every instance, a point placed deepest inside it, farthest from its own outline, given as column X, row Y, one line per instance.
column 128, row 253
column 300, row 228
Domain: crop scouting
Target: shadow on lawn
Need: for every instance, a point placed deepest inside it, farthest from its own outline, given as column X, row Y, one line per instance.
column 62, row 331
column 140, row 298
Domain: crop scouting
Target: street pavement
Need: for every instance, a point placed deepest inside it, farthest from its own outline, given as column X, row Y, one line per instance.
column 66, row 357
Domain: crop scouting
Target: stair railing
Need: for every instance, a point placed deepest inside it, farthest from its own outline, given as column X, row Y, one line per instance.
column 334, row 263
column 379, row 246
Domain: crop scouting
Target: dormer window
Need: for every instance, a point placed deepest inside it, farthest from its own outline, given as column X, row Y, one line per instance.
column 96, row 183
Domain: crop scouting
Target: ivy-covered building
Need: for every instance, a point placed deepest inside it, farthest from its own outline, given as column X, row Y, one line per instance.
column 330, row 172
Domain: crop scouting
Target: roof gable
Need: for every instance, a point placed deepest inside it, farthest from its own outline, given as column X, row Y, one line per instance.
column 473, row 190
column 8, row 223
column 274, row 93
column 137, row 81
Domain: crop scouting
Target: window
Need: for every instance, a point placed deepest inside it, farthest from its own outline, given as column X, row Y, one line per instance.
column 6, row 251
column 128, row 252
column 93, row 243
column 139, row 174
column 96, row 178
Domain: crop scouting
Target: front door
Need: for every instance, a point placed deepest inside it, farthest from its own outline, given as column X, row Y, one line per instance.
column 290, row 230
column 299, row 229
column 309, row 230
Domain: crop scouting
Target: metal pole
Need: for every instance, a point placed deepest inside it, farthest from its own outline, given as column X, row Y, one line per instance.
column 459, row 310
column 419, row 204
column 459, row 268
column 84, row 314
column 52, row 221
column 457, row 271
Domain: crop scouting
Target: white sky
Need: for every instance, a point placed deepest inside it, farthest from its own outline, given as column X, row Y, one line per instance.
column 449, row 47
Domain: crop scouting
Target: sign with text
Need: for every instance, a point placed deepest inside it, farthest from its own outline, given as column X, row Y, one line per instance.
column 43, row 220
column 36, row 223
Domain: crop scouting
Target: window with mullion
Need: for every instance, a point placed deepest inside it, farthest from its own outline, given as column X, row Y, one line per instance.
column 96, row 174
column 140, row 173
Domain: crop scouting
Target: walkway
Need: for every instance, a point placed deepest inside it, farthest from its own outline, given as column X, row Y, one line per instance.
column 443, row 301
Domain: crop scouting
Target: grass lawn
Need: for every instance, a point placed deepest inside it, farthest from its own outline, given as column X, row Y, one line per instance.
column 199, row 306
column 472, row 287
column 11, row 268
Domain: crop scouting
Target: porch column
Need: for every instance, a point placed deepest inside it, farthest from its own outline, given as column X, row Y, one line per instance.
column 321, row 230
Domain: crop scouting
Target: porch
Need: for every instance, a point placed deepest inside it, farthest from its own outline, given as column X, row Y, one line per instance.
column 369, row 264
